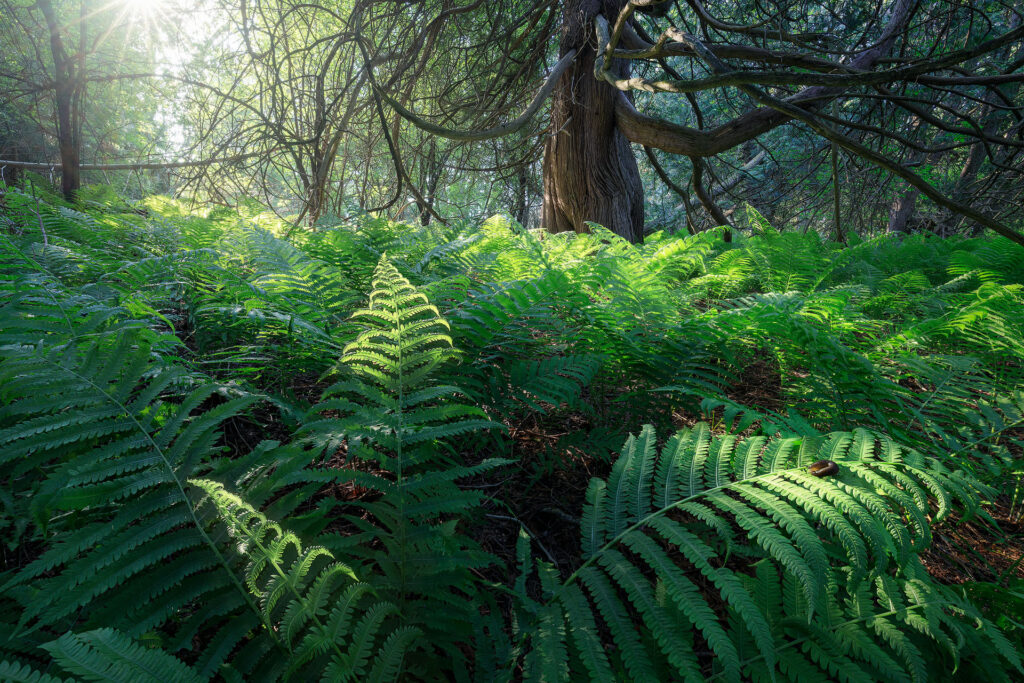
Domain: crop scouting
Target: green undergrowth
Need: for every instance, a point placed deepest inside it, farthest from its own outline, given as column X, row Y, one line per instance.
column 236, row 450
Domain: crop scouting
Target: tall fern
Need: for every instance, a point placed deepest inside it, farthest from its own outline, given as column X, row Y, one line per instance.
column 388, row 409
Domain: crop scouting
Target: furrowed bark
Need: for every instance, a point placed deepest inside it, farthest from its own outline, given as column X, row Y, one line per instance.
column 590, row 173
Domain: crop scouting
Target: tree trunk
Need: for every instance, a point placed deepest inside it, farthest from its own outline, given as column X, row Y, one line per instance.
column 430, row 173
column 836, row 205
column 590, row 173
column 66, row 86
column 901, row 211
column 70, row 175
column 522, row 189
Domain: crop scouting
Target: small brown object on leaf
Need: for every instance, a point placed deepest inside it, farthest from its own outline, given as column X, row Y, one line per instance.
column 824, row 468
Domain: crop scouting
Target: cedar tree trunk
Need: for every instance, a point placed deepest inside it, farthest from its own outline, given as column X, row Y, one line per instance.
column 590, row 173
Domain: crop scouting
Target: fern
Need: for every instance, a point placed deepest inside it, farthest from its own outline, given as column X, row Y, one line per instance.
column 138, row 354
column 273, row 304
column 726, row 276
column 114, row 449
column 393, row 413
column 324, row 614
column 496, row 315
column 107, row 655
column 446, row 250
column 554, row 381
column 936, row 421
column 737, row 418
column 837, row 585
column 19, row 673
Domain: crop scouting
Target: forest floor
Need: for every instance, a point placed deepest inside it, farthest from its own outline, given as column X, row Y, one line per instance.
column 976, row 550
column 545, row 490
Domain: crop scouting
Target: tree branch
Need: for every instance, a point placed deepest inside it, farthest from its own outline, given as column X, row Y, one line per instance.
column 497, row 131
column 141, row 166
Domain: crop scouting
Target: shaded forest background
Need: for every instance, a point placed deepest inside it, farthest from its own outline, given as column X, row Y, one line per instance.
column 842, row 117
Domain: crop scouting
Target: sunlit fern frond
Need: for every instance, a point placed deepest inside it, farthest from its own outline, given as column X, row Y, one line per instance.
column 332, row 625
column 97, row 443
column 446, row 251
column 788, row 261
column 679, row 256
column 991, row 260
column 726, row 275
column 389, row 409
column 298, row 283
column 724, row 558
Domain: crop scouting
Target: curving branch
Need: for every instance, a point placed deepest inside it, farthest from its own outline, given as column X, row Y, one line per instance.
column 677, row 139
column 497, row 131
column 863, row 151
column 852, row 78
column 663, row 175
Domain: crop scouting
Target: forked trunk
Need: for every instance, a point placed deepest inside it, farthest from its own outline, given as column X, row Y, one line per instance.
column 590, row 173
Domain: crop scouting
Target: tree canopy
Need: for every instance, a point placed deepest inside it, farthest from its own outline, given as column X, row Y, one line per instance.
column 577, row 106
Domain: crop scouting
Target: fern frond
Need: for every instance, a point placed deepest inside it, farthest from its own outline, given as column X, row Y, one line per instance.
column 114, row 488
column 311, row 598
column 656, row 567
column 20, row 673
column 107, row 655
column 390, row 410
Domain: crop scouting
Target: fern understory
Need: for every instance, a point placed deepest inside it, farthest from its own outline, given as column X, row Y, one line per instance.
column 376, row 451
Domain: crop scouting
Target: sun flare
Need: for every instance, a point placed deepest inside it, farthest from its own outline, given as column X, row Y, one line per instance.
column 147, row 7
